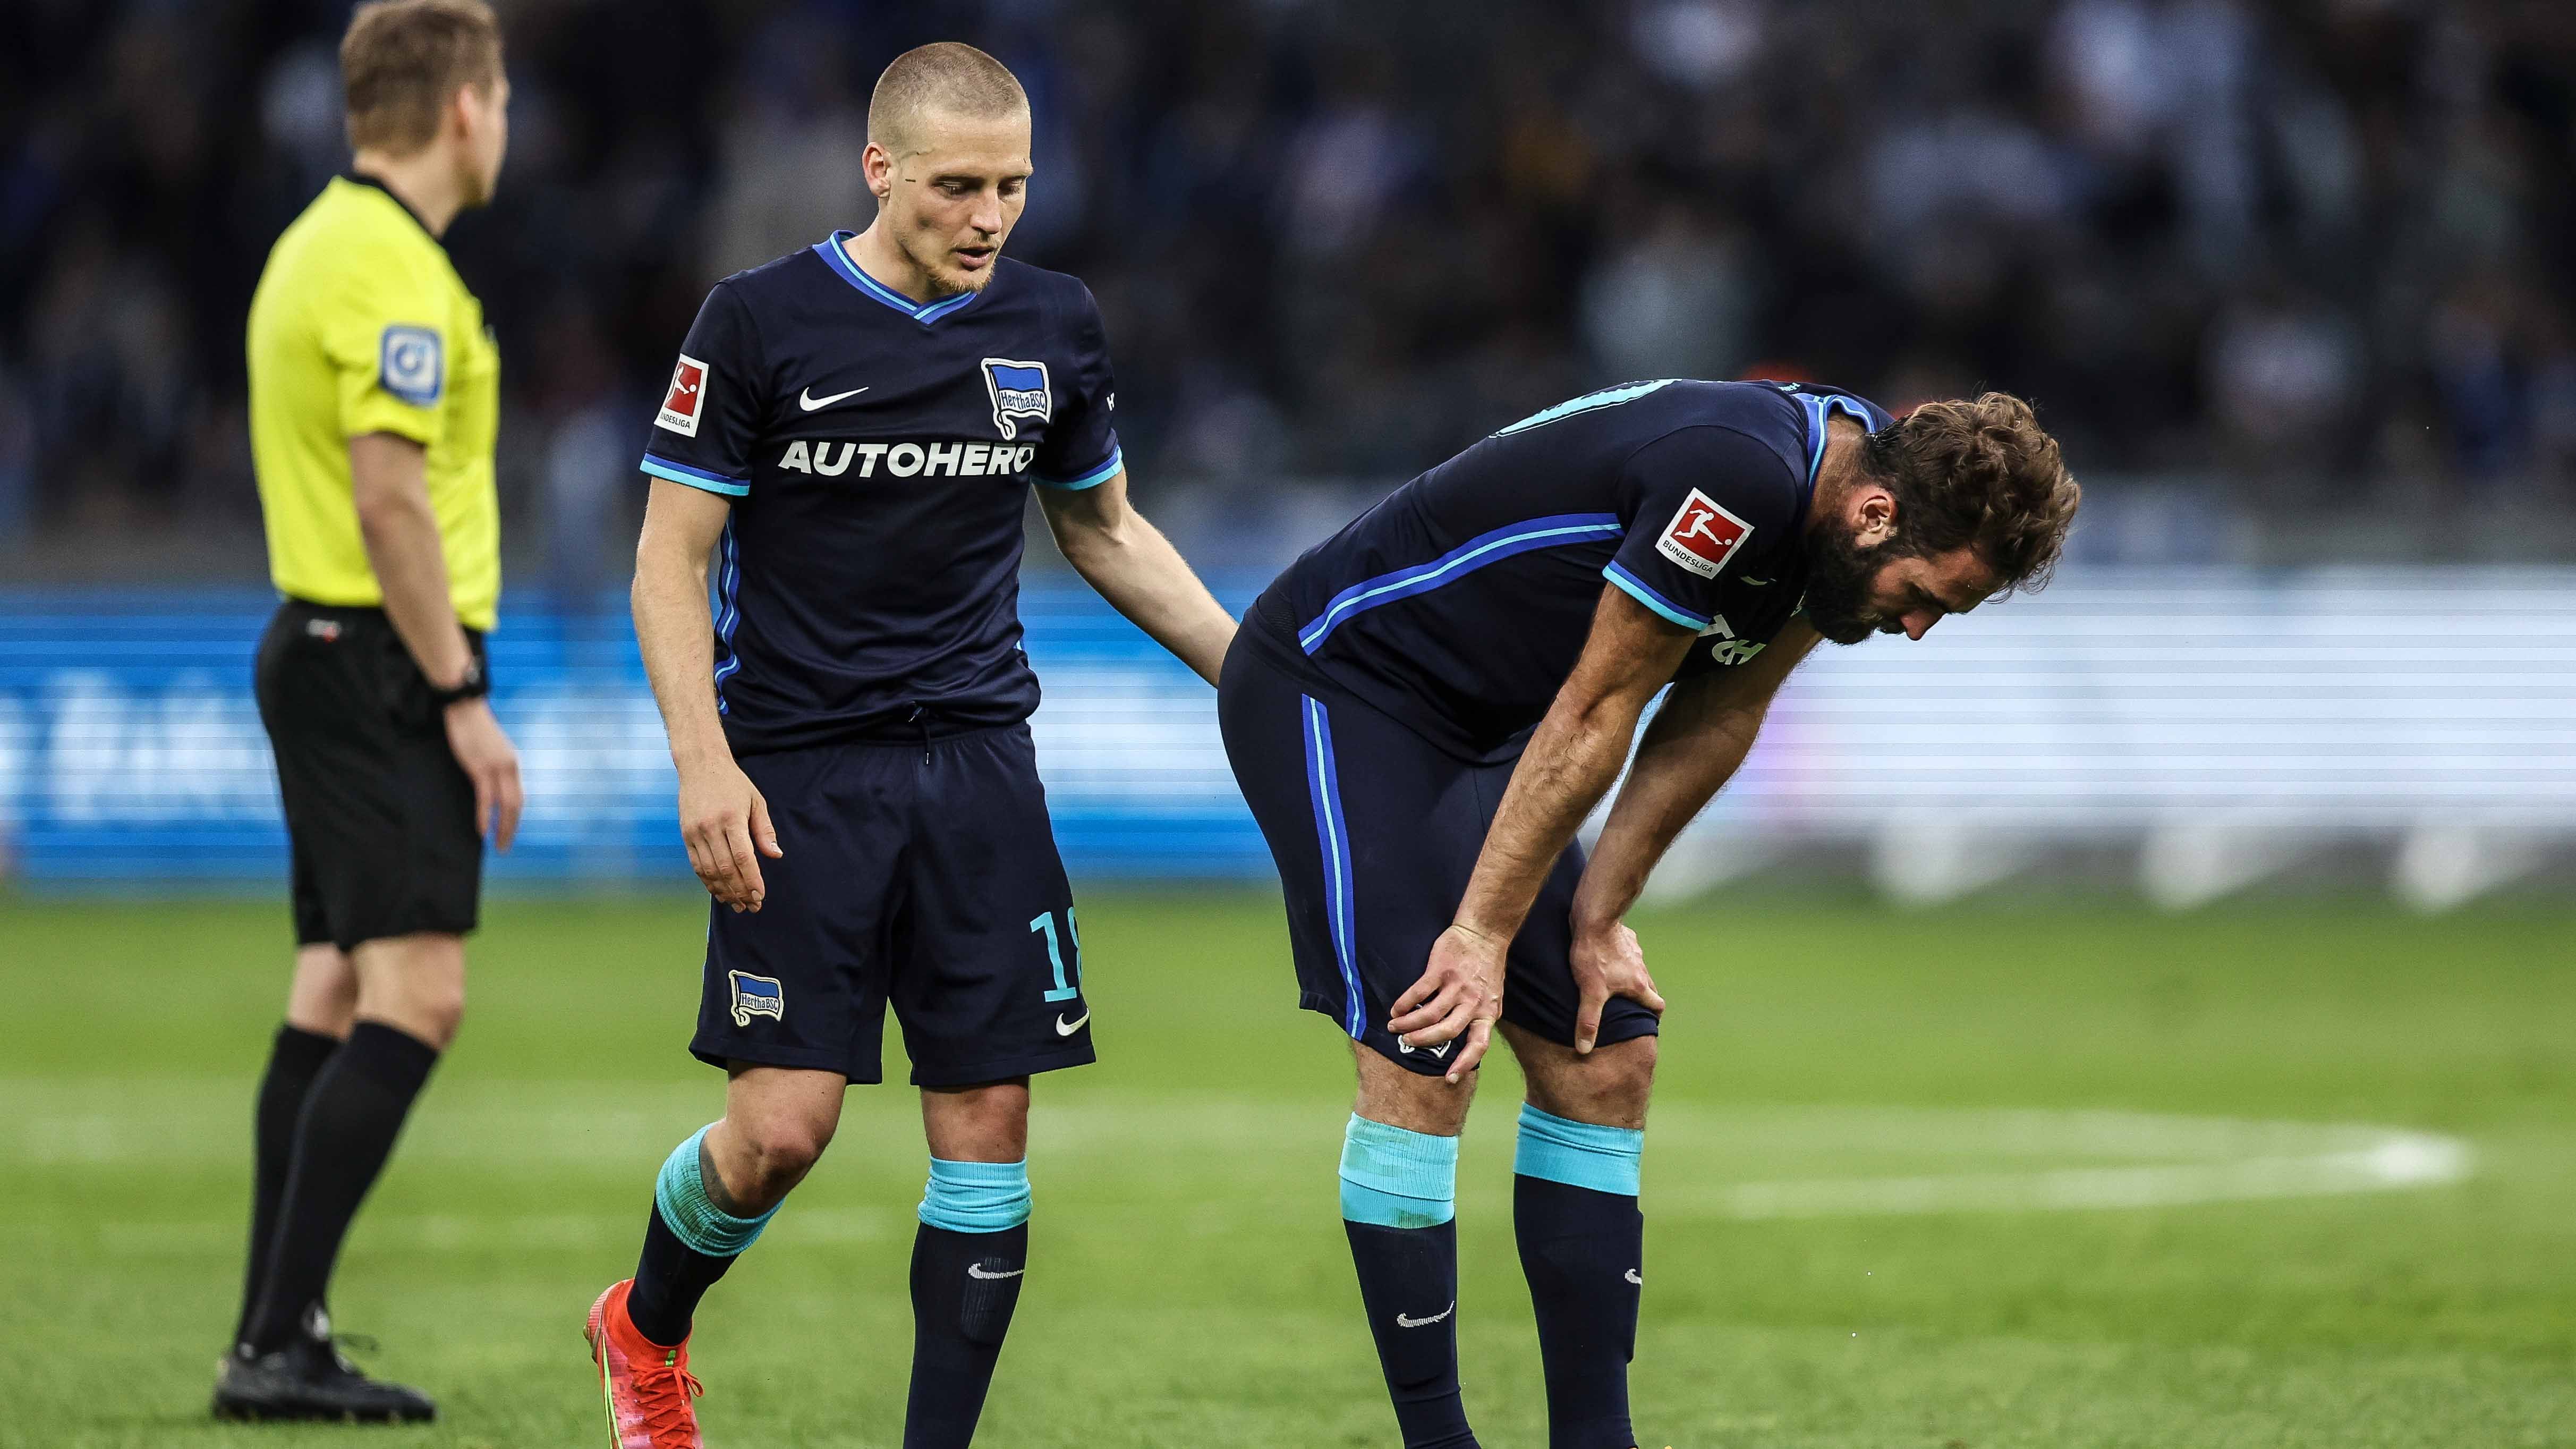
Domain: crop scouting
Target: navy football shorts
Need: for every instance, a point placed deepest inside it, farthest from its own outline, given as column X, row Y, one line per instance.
column 924, row 875
column 1375, row 832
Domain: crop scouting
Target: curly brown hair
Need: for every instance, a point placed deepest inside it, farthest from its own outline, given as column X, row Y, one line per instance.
column 1982, row 474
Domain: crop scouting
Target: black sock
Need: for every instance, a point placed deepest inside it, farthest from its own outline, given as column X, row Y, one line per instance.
column 964, row 1286
column 1584, row 1254
column 351, row 1115
column 294, row 1060
column 669, row 1280
column 1409, row 1285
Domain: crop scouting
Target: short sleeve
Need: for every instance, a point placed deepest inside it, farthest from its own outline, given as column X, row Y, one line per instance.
column 1081, row 445
column 1708, row 500
column 711, row 408
column 386, row 330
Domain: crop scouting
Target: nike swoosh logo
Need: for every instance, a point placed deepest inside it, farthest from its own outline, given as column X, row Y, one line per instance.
column 1757, row 583
column 1403, row 1322
column 976, row 1270
column 1068, row 1028
column 810, row 403
column 1633, row 1278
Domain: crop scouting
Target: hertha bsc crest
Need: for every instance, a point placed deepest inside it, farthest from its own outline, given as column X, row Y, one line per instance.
column 756, row 996
column 1019, row 391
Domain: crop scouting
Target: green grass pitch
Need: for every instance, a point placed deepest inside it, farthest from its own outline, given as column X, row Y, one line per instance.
column 1984, row 1072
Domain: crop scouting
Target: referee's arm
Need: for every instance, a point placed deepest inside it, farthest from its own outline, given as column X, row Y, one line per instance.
column 389, row 482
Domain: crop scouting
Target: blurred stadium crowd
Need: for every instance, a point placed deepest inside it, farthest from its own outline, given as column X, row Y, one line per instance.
column 2317, row 240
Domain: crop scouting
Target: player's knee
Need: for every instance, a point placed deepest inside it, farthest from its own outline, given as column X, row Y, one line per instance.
column 1630, row 1079
column 778, row 1151
column 1610, row 1087
column 1391, row 1094
column 439, row 1011
column 984, row 1123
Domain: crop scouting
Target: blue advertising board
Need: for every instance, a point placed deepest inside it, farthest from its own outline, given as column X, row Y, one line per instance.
column 2127, row 704
column 131, row 749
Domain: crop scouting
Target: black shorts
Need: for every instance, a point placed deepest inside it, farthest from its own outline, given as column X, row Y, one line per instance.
column 379, row 816
column 924, row 874
column 1375, row 832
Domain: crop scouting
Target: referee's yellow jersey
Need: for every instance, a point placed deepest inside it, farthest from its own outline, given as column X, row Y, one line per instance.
column 361, row 325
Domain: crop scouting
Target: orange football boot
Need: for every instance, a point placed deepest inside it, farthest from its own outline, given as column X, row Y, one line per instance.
column 647, row 1386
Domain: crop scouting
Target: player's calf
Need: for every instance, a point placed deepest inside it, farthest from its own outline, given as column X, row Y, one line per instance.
column 639, row 1329
column 969, row 1256
column 1399, row 1188
column 1575, row 1182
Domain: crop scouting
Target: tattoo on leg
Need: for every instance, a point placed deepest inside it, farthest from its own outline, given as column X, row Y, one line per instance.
column 715, row 1184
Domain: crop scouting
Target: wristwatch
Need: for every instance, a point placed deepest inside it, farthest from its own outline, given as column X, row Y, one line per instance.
column 472, row 685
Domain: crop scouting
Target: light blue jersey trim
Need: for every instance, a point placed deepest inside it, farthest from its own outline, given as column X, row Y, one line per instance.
column 1324, row 789
column 1394, row 1178
column 838, row 259
column 728, row 610
column 976, row 1197
column 1578, row 1154
column 695, row 477
column 1645, row 594
column 680, row 1195
column 1457, row 563
column 1589, row 402
column 1819, row 409
column 1092, row 479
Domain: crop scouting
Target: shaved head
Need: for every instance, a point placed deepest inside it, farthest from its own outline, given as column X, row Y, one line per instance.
column 948, row 78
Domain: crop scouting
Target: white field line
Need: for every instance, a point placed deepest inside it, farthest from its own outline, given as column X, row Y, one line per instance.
column 1747, row 1162
column 2397, row 1160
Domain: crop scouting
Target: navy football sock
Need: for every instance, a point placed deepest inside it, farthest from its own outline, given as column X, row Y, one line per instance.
column 689, row 1242
column 294, row 1060
column 351, row 1116
column 1582, row 1242
column 967, row 1263
column 1399, row 1191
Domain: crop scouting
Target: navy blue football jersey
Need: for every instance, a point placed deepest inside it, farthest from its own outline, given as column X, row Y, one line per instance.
column 878, row 453
column 1460, row 603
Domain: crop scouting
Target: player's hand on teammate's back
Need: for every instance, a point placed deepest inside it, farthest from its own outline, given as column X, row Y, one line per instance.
column 725, row 823
column 1461, row 991
column 484, row 750
column 1606, row 964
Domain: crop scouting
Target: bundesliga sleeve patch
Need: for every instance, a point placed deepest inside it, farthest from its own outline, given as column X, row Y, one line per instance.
column 408, row 365
column 1703, row 536
column 686, row 399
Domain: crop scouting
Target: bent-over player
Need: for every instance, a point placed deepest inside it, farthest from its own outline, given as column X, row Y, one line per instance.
column 1423, row 709
column 850, row 433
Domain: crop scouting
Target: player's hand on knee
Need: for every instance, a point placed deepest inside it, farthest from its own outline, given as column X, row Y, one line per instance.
column 1608, row 963
column 725, row 824
column 1459, row 994
column 483, row 750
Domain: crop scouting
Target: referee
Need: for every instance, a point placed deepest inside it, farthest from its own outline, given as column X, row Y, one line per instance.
column 374, row 396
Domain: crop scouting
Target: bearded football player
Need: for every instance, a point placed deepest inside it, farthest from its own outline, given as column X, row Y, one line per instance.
column 1424, row 708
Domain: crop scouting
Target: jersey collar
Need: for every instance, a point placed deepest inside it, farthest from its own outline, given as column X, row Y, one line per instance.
column 357, row 179
column 925, row 313
column 1820, row 409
